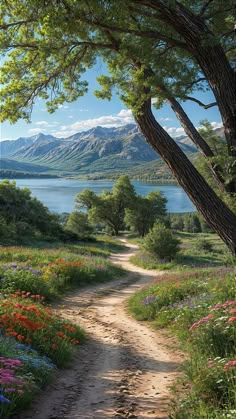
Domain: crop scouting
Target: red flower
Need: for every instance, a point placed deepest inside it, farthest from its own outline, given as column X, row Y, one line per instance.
column 55, row 347
column 20, row 337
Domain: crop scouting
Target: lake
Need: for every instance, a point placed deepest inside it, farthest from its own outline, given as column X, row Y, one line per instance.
column 58, row 194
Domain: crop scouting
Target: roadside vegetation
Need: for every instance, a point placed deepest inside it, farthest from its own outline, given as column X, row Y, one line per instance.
column 40, row 260
column 43, row 255
column 199, row 307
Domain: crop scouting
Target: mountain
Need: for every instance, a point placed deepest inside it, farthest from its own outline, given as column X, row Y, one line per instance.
column 98, row 150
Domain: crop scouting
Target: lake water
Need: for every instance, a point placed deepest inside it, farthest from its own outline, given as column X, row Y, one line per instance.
column 58, row 194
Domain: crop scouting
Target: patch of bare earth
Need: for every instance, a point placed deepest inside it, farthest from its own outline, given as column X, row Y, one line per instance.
column 125, row 368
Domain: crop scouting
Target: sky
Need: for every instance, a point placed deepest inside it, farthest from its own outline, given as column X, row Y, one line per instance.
column 88, row 112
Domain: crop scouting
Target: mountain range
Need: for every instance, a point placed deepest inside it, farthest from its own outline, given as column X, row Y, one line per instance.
column 94, row 152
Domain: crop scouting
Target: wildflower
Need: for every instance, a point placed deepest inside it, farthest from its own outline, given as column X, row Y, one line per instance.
column 231, row 319
column 20, row 337
column 149, row 299
column 229, row 364
column 4, row 399
column 55, row 347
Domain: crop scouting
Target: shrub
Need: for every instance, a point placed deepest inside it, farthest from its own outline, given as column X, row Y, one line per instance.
column 15, row 277
column 79, row 225
column 204, row 245
column 161, row 242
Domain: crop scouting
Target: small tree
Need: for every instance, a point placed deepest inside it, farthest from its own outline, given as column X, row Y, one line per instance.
column 160, row 242
column 177, row 222
column 78, row 224
column 107, row 211
column 146, row 211
column 85, row 199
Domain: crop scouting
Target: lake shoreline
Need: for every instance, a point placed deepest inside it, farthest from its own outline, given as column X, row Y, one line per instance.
column 58, row 194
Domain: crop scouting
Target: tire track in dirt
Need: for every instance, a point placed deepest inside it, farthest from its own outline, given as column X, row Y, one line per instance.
column 125, row 368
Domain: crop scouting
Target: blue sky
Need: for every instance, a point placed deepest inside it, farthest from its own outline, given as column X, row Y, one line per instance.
column 88, row 112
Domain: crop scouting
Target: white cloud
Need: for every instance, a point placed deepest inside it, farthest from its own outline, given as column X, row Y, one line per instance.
column 216, row 125
column 165, row 119
column 42, row 123
column 63, row 134
column 125, row 113
column 174, row 131
column 63, row 107
column 36, row 130
column 122, row 118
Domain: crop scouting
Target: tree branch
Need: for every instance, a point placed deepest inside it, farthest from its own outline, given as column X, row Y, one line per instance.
column 19, row 23
column 204, row 8
column 203, row 105
column 150, row 34
column 189, row 85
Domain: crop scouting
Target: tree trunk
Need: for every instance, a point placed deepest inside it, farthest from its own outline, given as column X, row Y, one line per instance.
column 209, row 54
column 212, row 208
column 199, row 142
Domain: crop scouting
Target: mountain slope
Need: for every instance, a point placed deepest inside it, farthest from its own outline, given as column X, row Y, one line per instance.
column 94, row 151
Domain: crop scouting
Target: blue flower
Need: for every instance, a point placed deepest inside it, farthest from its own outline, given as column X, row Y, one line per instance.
column 4, row 399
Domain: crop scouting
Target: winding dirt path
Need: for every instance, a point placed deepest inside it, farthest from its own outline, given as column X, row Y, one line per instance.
column 124, row 370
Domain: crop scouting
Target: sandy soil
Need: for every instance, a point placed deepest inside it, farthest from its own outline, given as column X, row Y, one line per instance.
column 125, row 368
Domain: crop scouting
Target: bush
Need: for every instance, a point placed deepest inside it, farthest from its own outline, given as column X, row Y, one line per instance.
column 79, row 225
column 15, row 277
column 7, row 231
column 161, row 242
column 204, row 245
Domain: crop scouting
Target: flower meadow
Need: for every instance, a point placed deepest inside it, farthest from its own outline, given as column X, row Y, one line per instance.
column 200, row 308
column 34, row 339
column 50, row 272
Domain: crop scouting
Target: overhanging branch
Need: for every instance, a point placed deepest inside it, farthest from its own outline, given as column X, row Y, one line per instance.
column 203, row 105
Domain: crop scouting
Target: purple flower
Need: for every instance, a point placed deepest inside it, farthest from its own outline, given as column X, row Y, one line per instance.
column 149, row 299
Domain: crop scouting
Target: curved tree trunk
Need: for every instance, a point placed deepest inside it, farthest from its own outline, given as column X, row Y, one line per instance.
column 213, row 209
column 209, row 54
column 198, row 140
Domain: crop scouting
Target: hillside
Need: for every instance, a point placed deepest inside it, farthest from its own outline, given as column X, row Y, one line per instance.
column 95, row 152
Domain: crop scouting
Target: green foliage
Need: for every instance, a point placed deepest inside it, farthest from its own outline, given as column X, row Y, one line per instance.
column 85, row 199
column 19, row 277
column 78, row 223
column 190, row 222
column 108, row 208
column 204, row 244
column 50, row 272
column 146, row 211
column 199, row 307
column 24, row 216
column 222, row 160
column 161, row 242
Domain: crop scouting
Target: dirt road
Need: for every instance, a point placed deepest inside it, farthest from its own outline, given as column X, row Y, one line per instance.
column 125, row 368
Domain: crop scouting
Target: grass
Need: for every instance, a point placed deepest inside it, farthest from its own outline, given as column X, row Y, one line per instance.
column 52, row 271
column 34, row 339
column 189, row 256
column 199, row 307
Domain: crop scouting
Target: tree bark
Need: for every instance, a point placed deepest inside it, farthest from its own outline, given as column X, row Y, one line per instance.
column 212, row 208
column 210, row 56
column 199, row 141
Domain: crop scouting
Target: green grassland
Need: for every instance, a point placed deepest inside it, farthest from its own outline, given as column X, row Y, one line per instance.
column 189, row 254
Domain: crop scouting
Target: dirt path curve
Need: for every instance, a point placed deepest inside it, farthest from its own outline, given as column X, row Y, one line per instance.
column 125, row 368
